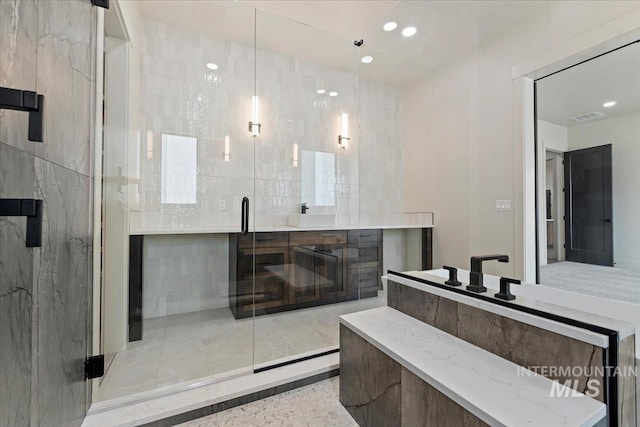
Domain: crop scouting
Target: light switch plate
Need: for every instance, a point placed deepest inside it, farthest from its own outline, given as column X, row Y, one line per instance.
column 503, row 205
column 222, row 204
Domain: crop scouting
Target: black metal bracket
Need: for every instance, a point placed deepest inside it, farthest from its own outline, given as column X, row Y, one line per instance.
column 30, row 208
column 94, row 367
column 25, row 100
column 358, row 43
column 101, row 3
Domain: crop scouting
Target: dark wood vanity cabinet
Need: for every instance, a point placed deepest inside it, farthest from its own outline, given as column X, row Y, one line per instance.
column 365, row 263
column 271, row 255
column 318, row 263
column 302, row 269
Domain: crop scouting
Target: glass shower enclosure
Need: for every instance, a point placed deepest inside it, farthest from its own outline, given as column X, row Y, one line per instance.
column 246, row 120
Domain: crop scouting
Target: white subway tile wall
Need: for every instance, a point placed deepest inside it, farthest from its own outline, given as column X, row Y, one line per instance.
column 181, row 96
column 185, row 273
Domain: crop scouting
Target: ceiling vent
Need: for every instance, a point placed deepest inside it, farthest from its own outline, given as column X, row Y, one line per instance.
column 586, row 117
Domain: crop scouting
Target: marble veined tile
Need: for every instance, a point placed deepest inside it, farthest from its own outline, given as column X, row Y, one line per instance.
column 65, row 78
column 62, row 276
column 423, row 405
column 528, row 345
column 627, row 382
column 18, row 39
column 16, row 291
column 372, row 400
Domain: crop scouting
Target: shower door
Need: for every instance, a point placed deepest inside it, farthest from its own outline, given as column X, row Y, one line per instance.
column 306, row 189
column 191, row 203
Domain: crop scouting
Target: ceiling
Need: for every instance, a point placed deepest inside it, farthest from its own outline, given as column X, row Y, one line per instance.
column 584, row 88
column 323, row 31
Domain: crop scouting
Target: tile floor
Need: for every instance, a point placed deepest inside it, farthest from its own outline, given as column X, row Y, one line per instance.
column 187, row 347
column 291, row 408
column 606, row 282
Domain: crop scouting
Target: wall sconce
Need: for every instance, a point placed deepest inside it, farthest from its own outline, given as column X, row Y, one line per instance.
column 226, row 153
column 295, row 155
column 150, row 144
column 343, row 138
column 254, row 124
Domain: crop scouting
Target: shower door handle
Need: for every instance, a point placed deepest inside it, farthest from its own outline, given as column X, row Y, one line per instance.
column 245, row 216
column 30, row 208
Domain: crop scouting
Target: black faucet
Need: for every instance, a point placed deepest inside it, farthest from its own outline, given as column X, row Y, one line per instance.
column 476, row 279
column 304, row 208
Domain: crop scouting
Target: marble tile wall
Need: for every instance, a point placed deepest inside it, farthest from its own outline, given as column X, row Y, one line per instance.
column 48, row 47
column 393, row 396
column 372, row 400
column 627, row 383
column 423, row 405
column 185, row 273
column 181, row 96
column 62, row 275
column 515, row 341
column 16, row 291
column 18, row 41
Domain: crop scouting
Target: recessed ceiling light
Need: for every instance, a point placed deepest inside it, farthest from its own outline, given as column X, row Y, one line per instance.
column 409, row 31
column 212, row 66
column 333, row 93
column 609, row 104
column 320, row 91
column 390, row 26
column 367, row 59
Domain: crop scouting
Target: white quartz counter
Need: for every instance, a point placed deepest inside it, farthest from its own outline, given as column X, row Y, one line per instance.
column 479, row 381
column 226, row 230
column 528, row 296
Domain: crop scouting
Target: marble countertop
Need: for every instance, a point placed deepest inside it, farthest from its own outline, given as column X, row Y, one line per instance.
column 479, row 381
column 557, row 302
column 226, row 230
column 526, row 298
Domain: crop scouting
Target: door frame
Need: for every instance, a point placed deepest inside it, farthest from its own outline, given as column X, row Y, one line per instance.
column 109, row 23
column 606, row 38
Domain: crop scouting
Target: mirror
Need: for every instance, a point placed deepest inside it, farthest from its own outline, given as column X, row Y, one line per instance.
column 318, row 178
column 588, row 129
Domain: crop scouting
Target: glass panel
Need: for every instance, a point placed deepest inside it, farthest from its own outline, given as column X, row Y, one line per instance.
column 390, row 238
column 306, row 187
column 586, row 171
column 193, row 73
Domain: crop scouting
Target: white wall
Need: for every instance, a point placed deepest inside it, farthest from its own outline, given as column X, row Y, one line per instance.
column 553, row 137
column 623, row 133
column 460, row 129
column 185, row 273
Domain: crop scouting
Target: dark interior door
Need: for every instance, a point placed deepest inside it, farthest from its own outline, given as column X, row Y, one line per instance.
column 588, row 206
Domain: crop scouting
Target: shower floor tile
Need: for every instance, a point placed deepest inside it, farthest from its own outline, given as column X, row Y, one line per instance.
column 186, row 347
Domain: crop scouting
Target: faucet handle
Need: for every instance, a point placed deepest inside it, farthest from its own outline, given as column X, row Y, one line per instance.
column 453, row 276
column 505, row 291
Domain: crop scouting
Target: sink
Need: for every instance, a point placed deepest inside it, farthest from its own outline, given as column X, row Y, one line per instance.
column 312, row 220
